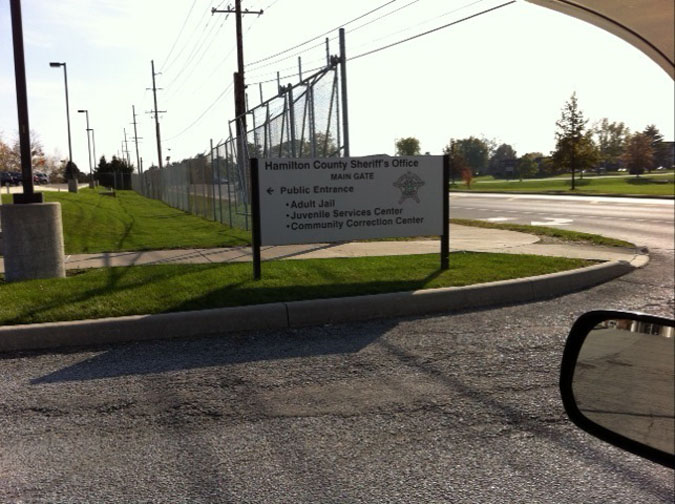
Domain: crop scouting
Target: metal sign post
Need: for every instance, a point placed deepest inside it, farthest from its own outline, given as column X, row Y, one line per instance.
column 445, row 237
column 255, row 204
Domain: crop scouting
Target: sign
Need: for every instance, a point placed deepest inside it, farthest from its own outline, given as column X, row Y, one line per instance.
column 309, row 200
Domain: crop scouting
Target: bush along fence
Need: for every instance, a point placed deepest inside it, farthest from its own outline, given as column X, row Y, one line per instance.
column 306, row 119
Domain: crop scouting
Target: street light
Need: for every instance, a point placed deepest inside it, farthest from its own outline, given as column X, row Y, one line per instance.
column 91, row 176
column 65, row 77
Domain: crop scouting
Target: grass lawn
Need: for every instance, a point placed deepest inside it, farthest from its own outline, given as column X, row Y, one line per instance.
column 96, row 223
column 655, row 185
column 113, row 292
column 543, row 231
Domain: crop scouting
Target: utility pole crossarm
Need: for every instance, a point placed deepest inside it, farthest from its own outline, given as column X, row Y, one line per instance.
column 234, row 11
column 239, row 81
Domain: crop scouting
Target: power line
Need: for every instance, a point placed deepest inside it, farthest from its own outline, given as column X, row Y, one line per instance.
column 373, row 51
column 211, row 105
column 425, row 22
column 323, row 34
column 379, row 18
column 192, row 60
column 179, row 34
column 422, row 34
column 194, row 30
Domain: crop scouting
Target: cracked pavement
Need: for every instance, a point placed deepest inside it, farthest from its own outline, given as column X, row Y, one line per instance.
column 457, row 407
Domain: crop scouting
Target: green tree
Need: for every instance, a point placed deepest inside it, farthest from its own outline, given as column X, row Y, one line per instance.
column 459, row 168
column 547, row 167
column 114, row 173
column 575, row 150
column 611, row 141
column 528, row 165
column 501, row 154
column 639, row 154
column 476, row 153
column 660, row 155
column 409, row 146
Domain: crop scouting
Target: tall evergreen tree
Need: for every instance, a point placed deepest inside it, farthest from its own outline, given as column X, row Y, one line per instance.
column 574, row 149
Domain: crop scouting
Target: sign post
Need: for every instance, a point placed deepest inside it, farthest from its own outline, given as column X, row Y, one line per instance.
column 319, row 200
column 445, row 237
column 255, row 203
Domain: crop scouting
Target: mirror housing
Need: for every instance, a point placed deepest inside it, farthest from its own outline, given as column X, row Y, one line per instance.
column 617, row 381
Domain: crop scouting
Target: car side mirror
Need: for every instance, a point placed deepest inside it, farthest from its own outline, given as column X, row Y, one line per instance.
column 617, row 381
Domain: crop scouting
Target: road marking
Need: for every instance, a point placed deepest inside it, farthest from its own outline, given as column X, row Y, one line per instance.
column 552, row 221
column 498, row 219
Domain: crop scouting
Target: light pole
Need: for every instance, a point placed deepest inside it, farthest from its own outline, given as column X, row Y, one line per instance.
column 93, row 148
column 91, row 176
column 65, row 78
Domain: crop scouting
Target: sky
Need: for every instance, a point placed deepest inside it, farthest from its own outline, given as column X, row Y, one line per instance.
column 504, row 75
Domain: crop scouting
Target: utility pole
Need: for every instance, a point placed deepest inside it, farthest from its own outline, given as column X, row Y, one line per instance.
column 126, row 147
column 239, row 82
column 138, row 159
column 157, row 112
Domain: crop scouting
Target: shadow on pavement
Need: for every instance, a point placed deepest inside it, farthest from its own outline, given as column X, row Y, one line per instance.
column 234, row 348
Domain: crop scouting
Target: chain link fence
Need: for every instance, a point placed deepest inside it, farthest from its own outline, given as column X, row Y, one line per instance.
column 302, row 120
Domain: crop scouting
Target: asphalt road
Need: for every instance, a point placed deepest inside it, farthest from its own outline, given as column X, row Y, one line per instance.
column 642, row 221
column 459, row 407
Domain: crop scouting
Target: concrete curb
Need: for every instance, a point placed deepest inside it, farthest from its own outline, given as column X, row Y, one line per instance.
column 307, row 313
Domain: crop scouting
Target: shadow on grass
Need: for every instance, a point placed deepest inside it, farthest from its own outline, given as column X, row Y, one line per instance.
column 648, row 181
column 233, row 295
column 114, row 277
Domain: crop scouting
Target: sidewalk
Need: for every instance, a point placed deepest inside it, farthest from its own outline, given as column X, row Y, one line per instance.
column 462, row 238
column 613, row 262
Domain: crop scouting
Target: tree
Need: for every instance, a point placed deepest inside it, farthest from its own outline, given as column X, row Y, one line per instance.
column 502, row 154
column 459, row 168
column 5, row 155
column 528, row 165
column 71, row 171
column 115, row 173
column 659, row 148
column 10, row 157
column 575, row 149
column 639, row 154
column 547, row 167
column 611, row 141
column 475, row 151
column 409, row 146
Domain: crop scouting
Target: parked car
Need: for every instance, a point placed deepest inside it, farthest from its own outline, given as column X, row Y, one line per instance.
column 40, row 178
column 9, row 178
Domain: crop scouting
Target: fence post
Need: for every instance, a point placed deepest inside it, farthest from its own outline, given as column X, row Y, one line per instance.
column 291, row 119
column 228, row 161
column 213, row 182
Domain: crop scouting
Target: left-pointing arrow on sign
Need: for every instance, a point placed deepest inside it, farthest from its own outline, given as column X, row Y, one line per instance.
column 270, row 190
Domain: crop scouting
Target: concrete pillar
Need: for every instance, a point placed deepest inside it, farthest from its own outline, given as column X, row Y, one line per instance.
column 32, row 241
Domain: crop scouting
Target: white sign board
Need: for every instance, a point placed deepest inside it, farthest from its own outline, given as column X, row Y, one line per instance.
column 308, row 200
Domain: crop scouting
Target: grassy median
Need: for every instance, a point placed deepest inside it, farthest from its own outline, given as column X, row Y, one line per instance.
column 563, row 235
column 112, row 292
column 650, row 185
column 93, row 222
